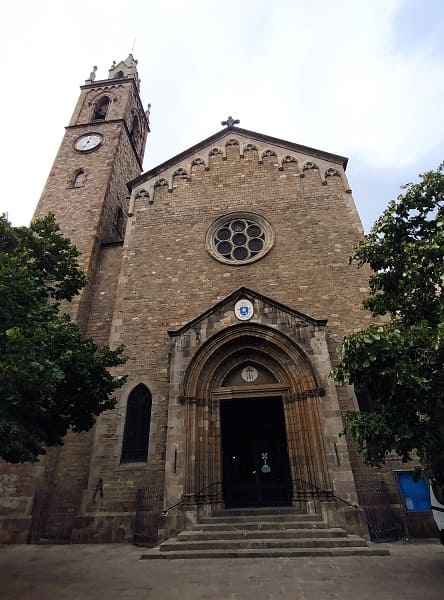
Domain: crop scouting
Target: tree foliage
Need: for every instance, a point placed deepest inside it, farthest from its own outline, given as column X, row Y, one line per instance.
column 52, row 378
column 400, row 362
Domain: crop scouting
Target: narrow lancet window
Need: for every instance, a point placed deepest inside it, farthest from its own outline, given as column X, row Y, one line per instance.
column 118, row 221
column 79, row 178
column 135, row 129
column 137, row 425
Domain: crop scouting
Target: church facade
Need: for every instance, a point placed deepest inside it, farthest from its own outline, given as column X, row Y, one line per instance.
column 224, row 272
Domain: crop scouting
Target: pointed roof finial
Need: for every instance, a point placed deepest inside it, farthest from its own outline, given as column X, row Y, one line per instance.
column 230, row 122
column 147, row 112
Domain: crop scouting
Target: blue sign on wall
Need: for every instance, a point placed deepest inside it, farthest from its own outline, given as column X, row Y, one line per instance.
column 415, row 493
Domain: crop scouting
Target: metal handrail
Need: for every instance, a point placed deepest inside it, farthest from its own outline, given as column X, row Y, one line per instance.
column 312, row 485
column 330, row 493
column 401, row 522
column 185, row 499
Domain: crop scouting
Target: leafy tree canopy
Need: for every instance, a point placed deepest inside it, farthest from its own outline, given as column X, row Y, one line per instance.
column 399, row 363
column 52, row 378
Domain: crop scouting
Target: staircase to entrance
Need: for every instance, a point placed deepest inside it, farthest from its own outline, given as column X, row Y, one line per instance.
column 262, row 532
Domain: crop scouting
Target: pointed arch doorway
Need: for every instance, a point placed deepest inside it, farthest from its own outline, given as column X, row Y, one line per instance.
column 270, row 422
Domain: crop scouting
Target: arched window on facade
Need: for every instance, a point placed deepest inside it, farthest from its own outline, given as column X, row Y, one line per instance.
column 79, row 178
column 118, row 221
column 135, row 129
column 101, row 109
column 365, row 401
column 137, row 425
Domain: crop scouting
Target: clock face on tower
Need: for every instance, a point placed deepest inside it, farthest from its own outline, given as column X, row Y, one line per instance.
column 87, row 142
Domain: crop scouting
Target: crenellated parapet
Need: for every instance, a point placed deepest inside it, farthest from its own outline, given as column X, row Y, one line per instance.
column 233, row 145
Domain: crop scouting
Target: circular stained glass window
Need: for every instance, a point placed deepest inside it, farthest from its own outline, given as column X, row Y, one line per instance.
column 239, row 238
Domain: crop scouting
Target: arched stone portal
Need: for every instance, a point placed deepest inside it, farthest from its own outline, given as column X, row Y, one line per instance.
column 285, row 375
column 289, row 352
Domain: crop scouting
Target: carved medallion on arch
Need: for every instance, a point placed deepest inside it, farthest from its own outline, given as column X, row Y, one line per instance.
column 231, row 371
column 248, row 373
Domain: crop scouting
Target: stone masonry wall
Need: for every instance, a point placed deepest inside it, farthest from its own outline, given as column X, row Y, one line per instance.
column 168, row 277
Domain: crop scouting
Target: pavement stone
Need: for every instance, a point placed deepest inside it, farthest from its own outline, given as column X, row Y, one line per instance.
column 413, row 571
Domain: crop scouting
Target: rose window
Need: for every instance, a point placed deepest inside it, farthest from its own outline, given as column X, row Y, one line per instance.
column 239, row 238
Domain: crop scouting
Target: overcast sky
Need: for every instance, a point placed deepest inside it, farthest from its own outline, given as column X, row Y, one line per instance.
column 361, row 79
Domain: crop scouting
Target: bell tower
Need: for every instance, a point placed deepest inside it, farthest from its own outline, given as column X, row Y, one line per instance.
column 101, row 151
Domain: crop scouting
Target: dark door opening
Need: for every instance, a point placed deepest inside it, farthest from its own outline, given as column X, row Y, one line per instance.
column 256, row 470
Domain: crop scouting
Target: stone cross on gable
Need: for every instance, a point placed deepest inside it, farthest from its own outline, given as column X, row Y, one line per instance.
column 230, row 122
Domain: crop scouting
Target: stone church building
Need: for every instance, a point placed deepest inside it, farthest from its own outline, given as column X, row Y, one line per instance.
column 224, row 271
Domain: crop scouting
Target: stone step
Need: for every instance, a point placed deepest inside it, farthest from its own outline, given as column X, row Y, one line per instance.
column 265, row 518
column 186, row 536
column 155, row 553
column 262, row 533
column 259, row 525
column 236, row 544
column 263, row 510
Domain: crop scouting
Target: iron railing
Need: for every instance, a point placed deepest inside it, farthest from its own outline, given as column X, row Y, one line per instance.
column 188, row 497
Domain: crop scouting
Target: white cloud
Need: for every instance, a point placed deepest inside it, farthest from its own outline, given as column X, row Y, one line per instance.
column 325, row 74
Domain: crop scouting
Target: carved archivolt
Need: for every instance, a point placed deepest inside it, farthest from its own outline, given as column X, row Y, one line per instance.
column 232, row 142
column 268, row 153
column 197, row 162
column 93, row 97
column 332, row 173
column 249, row 148
column 202, row 372
column 215, row 152
column 289, row 159
column 295, row 384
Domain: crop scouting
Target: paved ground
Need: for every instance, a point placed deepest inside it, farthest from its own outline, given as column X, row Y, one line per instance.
column 114, row 572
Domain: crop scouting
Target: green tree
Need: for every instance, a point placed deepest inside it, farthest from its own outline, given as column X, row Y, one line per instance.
column 52, row 378
column 399, row 363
